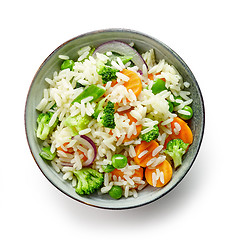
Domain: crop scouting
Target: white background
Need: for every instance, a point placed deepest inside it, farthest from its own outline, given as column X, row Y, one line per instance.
column 199, row 207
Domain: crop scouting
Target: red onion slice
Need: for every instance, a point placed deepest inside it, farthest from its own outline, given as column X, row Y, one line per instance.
column 122, row 49
column 88, row 142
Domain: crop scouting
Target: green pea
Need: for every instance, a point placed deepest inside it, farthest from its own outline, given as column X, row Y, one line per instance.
column 116, row 192
column 170, row 106
column 177, row 98
column 67, row 64
column 185, row 116
column 158, row 86
column 108, row 168
column 46, row 154
column 119, row 161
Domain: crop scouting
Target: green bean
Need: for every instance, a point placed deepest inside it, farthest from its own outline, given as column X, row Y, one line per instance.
column 92, row 91
column 46, row 154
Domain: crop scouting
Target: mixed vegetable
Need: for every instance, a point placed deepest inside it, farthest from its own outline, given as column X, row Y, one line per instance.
column 151, row 162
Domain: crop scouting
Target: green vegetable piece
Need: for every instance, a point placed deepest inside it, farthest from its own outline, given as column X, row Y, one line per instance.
column 176, row 103
column 119, row 161
column 67, row 64
column 186, row 116
column 158, row 86
column 98, row 108
column 170, row 106
column 176, row 148
column 47, row 154
column 107, row 119
column 150, row 116
column 77, row 123
column 113, row 57
column 108, row 168
column 92, row 91
column 44, row 129
column 107, row 74
column 88, row 180
column 91, row 51
column 78, row 85
column 151, row 135
column 116, row 192
column 54, row 106
column 125, row 59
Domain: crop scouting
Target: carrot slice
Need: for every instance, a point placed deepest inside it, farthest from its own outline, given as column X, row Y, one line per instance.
column 138, row 173
column 185, row 133
column 164, row 167
column 151, row 77
column 134, row 82
column 138, row 128
column 149, row 147
column 69, row 150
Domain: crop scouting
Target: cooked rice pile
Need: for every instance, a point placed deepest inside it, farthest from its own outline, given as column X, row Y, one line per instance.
column 62, row 91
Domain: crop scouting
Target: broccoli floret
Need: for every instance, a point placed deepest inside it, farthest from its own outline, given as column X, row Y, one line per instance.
column 43, row 125
column 176, row 149
column 107, row 118
column 151, row 135
column 88, row 180
column 77, row 123
column 107, row 74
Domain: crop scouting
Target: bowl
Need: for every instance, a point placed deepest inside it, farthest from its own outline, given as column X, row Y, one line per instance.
column 143, row 43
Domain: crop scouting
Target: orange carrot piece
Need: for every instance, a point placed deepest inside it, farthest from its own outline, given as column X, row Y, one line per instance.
column 84, row 157
column 138, row 128
column 185, row 133
column 150, row 76
column 164, row 167
column 149, row 146
column 138, row 173
column 69, row 150
column 134, row 82
column 118, row 173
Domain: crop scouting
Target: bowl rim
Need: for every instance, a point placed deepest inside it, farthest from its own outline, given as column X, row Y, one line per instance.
column 181, row 62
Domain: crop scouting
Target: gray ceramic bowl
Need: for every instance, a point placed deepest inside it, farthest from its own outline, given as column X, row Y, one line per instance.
column 143, row 43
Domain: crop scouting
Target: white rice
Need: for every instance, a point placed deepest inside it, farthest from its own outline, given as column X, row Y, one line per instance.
column 142, row 153
column 157, row 175
column 116, row 66
column 157, row 150
column 187, row 84
column 177, row 128
column 63, row 57
column 184, row 112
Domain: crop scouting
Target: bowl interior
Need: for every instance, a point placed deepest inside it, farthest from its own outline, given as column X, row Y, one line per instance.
column 142, row 44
